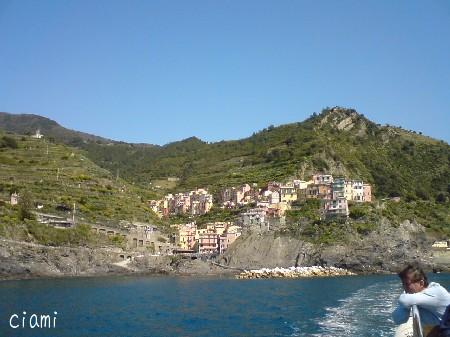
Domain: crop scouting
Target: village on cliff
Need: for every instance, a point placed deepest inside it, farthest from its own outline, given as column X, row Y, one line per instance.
column 270, row 204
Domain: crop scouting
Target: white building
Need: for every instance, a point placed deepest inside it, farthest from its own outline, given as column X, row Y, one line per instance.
column 38, row 134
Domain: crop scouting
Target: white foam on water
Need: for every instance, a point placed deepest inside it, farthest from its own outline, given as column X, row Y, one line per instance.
column 366, row 313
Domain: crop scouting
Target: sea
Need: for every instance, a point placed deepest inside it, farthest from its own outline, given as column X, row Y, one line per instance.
column 192, row 306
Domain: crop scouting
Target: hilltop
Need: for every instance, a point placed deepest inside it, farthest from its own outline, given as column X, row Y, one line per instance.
column 27, row 124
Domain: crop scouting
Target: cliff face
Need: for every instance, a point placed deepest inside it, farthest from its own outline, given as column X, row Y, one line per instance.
column 21, row 260
column 385, row 249
column 25, row 260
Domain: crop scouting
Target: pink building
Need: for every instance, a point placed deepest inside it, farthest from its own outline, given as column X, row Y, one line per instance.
column 208, row 243
column 226, row 239
column 367, row 197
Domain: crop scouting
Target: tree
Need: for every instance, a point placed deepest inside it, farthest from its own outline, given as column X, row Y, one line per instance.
column 25, row 206
column 10, row 142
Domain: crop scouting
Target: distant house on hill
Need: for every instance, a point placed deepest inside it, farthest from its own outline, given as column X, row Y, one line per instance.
column 14, row 199
column 38, row 134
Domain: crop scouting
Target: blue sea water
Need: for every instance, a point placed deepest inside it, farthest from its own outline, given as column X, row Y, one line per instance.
column 181, row 306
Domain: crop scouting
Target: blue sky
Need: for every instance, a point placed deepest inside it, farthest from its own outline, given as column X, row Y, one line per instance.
column 160, row 71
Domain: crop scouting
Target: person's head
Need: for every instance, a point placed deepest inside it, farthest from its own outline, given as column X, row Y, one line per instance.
column 413, row 279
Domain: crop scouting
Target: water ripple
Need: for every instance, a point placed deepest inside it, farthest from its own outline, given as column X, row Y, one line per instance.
column 365, row 313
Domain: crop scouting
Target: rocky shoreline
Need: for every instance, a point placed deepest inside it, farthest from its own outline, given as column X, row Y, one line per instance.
column 294, row 272
column 26, row 260
column 386, row 250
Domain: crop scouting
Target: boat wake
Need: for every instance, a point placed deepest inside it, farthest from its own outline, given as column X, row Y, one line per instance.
column 366, row 313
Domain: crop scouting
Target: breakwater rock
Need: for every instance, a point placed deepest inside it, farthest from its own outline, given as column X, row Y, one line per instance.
column 294, row 272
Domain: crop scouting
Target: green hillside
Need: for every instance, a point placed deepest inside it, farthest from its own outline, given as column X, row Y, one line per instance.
column 339, row 141
column 58, row 176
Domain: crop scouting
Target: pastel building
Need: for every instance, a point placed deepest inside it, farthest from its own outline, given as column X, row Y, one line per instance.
column 367, row 193
column 253, row 217
column 338, row 188
column 301, row 184
column 194, row 202
column 319, row 191
column 358, row 191
column 236, row 195
column 216, row 237
column 288, row 193
column 185, row 237
column 274, row 197
column 38, row 134
column 208, row 243
column 348, row 190
column 336, row 207
column 322, row 179
column 226, row 239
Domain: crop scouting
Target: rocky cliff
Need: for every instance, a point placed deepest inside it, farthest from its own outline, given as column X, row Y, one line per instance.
column 27, row 260
column 21, row 260
column 386, row 249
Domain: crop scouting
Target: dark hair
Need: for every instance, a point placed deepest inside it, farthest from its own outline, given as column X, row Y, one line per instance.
column 417, row 274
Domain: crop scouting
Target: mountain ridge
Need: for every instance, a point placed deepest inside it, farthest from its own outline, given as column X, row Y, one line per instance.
column 339, row 141
column 9, row 121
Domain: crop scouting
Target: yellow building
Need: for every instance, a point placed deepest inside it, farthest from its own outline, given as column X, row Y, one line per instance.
column 288, row 193
column 185, row 237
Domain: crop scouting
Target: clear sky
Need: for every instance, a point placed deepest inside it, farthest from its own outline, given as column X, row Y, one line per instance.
column 159, row 71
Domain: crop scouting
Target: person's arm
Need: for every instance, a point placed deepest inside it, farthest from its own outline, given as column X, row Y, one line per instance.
column 421, row 298
column 400, row 315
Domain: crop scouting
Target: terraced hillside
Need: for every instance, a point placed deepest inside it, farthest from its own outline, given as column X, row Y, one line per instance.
column 58, row 177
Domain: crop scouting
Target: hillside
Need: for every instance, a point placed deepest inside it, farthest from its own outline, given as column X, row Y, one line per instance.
column 27, row 124
column 338, row 141
column 113, row 155
column 58, row 176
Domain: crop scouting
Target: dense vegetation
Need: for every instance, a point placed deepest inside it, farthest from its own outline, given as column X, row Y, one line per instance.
column 13, row 226
column 304, row 220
